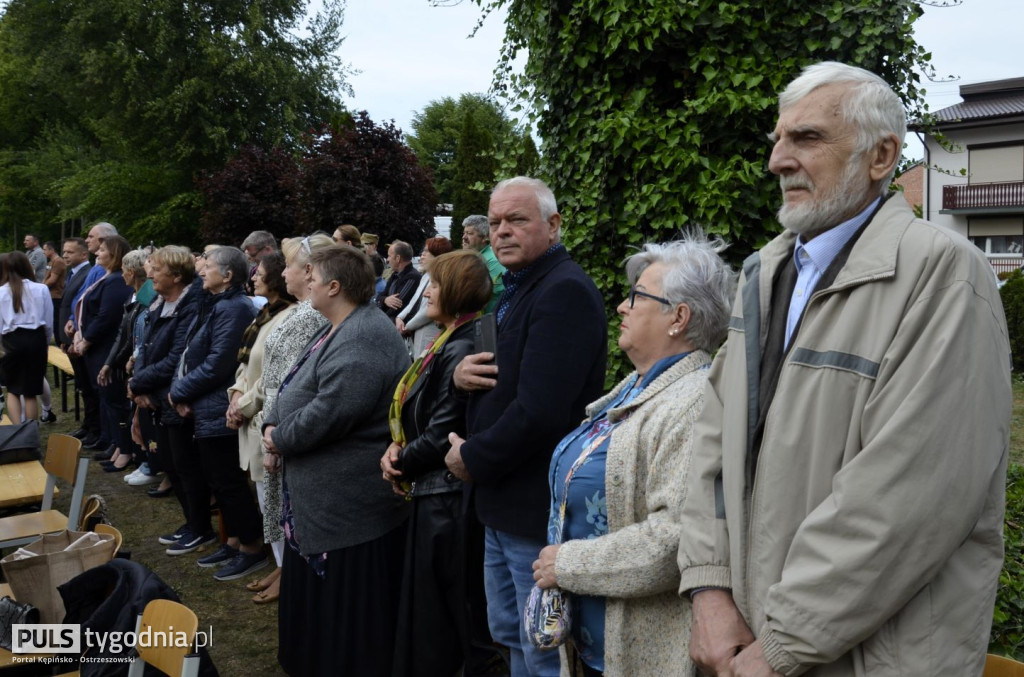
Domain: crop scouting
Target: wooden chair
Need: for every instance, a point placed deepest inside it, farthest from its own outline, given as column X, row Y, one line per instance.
column 998, row 666
column 113, row 531
column 62, row 373
column 61, row 461
column 161, row 615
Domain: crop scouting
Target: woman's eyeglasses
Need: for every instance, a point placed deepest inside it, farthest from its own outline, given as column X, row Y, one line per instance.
column 634, row 292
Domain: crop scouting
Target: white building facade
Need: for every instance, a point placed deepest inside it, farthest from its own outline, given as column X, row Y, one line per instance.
column 975, row 185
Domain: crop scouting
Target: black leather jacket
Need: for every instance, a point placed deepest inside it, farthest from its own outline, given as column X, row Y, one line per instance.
column 124, row 343
column 431, row 412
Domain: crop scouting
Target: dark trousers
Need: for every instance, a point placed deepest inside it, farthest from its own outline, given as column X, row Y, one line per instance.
column 116, row 410
column 163, row 459
column 218, row 458
column 195, row 493
column 56, row 318
column 90, row 400
column 148, row 432
column 113, row 398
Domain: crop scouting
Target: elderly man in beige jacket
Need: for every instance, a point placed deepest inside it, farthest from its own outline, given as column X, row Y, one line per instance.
column 844, row 510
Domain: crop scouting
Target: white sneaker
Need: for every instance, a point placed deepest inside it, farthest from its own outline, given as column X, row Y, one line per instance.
column 142, row 479
column 129, row 476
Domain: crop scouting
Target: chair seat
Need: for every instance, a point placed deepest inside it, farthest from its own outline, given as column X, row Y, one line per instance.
column 30, row 525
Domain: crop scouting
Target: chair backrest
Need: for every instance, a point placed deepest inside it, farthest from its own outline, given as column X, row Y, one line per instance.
column 163, row 615
column 113, row 531
column 62, row 461
column 998, row 666
column 62, row 456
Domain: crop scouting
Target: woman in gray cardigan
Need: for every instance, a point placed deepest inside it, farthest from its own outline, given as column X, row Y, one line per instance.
column 621, row 472
column 344, row 528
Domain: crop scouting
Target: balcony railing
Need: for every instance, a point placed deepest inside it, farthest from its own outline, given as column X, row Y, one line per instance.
column 1004, row 265
column 982, row 195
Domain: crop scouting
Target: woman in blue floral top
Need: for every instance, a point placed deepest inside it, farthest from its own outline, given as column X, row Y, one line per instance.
column 616, row 481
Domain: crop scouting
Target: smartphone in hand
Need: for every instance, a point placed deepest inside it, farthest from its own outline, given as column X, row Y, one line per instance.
column 485, row 335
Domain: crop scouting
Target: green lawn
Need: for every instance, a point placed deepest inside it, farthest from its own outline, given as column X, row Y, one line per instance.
column 1017, row 422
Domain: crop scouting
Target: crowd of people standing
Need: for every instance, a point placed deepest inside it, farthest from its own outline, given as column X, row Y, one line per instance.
column 776, row 504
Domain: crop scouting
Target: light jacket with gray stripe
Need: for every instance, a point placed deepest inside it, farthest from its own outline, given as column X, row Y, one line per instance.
column 870, row 540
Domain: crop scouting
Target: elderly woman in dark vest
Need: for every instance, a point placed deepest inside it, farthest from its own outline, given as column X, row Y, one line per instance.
column 344, row 528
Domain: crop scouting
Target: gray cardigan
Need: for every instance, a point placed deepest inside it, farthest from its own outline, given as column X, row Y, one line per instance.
column 332, row 428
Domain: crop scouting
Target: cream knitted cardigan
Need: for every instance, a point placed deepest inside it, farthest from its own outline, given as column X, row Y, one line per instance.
column 647, row 624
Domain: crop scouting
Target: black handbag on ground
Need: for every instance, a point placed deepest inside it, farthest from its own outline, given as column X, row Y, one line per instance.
column 19, row 442
column 12, row 613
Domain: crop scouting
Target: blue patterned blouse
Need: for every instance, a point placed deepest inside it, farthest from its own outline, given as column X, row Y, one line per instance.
column 586, row 515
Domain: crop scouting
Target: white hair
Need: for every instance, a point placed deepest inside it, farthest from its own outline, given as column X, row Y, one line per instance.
column 103, row 229
column 696, row 275
column 479, row 223
column 869, row 103
column 545, row 198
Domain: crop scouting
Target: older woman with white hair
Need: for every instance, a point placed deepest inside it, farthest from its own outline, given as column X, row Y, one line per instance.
column 616, row 479
column 115, row 370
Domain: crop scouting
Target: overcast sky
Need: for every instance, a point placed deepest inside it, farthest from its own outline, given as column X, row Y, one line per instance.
column 411, row 53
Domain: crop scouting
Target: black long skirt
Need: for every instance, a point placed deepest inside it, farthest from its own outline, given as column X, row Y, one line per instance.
column 23, row 365
column 433, row 620
column 344, row 623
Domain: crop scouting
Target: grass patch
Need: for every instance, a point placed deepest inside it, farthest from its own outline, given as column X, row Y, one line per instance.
column 1017, row 421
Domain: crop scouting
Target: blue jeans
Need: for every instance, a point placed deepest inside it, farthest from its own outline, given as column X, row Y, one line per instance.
column 508, row 578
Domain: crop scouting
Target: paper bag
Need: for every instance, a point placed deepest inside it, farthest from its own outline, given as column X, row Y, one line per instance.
column 35, row 570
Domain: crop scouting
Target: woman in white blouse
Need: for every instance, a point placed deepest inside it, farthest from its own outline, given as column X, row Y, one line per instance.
column 26, row 330
column 418, row 329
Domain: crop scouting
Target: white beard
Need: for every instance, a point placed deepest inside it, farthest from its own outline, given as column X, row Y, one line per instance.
column 816, row 216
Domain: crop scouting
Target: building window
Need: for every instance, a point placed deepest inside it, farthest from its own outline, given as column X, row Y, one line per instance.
column 998, row 236
column 996, row 165
column 999, row 244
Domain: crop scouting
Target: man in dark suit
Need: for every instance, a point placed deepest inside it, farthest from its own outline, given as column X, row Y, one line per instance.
column 551, row 352
column 76, row 257
column 403, row 282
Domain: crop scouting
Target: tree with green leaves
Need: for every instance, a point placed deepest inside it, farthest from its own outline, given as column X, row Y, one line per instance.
column 112, row 109
column 653, row 114
column 465, row 143
column 474, row 160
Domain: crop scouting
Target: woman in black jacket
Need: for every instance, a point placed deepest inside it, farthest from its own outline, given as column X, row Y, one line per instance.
column 173, row 272
column 433, row 637
column 208, row 461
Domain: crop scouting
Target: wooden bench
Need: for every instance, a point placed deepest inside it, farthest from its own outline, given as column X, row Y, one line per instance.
column 22, row 483
column 63, row 372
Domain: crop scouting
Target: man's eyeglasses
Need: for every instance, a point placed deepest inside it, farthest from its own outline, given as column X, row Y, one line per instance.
column 634, row 292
